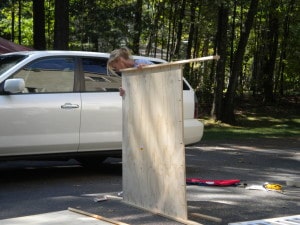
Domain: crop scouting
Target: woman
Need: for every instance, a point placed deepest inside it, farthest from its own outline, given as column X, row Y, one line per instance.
column 122, row 59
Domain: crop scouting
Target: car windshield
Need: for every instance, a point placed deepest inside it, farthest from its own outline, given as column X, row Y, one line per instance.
column 8, row 61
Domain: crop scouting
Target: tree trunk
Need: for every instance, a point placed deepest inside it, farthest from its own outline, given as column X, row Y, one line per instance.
column 61, row 25
column 173, row 17
column 229, row 101
column 39, row 39
column 153, row 30
column 192, row 29
column 221, row 46
column 12, row 38
column 187, row 67
column 137, row 27
column 272, row 43
column 179, row 30
column 19, row 23
column 284, row 43
column 232, row 34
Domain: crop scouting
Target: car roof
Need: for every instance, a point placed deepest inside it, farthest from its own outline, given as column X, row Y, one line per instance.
column 44, row 53
column 57, row 53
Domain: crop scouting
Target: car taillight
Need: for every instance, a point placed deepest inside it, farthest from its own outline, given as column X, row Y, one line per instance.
column 196, row 107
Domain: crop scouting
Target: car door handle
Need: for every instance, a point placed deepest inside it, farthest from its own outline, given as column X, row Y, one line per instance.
column 69, row 106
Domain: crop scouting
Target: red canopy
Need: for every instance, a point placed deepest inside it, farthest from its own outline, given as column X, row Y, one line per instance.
column 8, row 46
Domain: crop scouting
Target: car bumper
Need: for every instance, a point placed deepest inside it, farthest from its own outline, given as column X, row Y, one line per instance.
column 193, row 131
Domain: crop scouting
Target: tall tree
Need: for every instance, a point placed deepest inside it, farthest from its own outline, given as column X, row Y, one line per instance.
column 187, row 67
column 61, row 25
column 283, row 45
column 154, row 27
column 13, row 21
column 39, row 38
column 232, row 33
column 191, row 29
column 137, row 26
column 20, row 22
column 221, row 46
column 271, row 51
column 229, row 101
column 179, row 29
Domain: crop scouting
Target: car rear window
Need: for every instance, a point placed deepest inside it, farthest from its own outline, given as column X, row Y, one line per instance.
column 96, row 78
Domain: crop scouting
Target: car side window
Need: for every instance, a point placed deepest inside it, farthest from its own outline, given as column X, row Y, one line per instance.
column 48, row 75
column 96, row 78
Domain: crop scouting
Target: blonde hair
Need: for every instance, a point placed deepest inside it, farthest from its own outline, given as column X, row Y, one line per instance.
column 115, row 55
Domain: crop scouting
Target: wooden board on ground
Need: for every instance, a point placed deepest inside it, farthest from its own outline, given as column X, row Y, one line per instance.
column 64, row 217
column 286, row 220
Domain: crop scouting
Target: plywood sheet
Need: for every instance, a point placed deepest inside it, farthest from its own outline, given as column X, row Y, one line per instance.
column 153, row 148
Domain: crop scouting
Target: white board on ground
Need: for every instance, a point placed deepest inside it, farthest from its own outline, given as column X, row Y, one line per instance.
column 64, row 217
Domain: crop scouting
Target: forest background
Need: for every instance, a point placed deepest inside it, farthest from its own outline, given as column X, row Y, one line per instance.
column 257, row 41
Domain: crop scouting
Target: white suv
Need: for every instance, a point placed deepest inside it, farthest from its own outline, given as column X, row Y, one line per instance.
column 63, row 104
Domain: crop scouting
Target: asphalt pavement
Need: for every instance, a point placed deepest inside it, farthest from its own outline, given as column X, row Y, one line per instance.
column 254, row 162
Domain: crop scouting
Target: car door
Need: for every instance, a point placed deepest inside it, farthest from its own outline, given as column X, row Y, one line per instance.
column 101, row 117
column 45, row 118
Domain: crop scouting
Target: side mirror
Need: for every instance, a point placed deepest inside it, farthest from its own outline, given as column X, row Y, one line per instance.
column 15, row 85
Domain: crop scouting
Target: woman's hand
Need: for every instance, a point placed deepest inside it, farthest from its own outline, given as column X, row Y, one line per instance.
column 122, row 91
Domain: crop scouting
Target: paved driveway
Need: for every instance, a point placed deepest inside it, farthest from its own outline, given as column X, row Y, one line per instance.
column 253, row 161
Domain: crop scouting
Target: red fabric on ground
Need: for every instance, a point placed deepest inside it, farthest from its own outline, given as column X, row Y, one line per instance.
column 198, row 181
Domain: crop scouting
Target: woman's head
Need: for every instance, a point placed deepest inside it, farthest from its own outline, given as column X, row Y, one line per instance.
column 120, row 59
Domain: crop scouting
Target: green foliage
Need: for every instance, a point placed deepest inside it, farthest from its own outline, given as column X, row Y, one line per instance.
column 25, row 22
column 257, row 121
column 292, row 75
column 102, row 25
